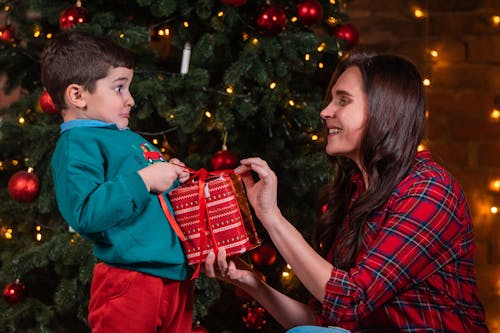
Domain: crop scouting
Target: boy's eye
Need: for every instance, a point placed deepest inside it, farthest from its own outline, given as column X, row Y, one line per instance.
column 118, row 88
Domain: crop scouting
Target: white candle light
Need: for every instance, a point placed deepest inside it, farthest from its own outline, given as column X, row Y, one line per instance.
column 186, row 55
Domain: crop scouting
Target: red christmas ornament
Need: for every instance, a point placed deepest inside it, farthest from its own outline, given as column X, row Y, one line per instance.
column 198, row 328
column 271, row 20
column 255, row 317
column 23, row 186
column 14, row 292
column 234, row 3
column 348, row 33
column 265, row 255
column 309, row 12
column 7, row 34
column 72, row 15
column 324, row 208
column 224, row 159
column 46, row 103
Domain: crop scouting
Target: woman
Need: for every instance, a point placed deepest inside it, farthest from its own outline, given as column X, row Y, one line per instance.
column 393, row 248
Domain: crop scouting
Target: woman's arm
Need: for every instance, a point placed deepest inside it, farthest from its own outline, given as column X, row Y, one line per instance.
column 287, row 311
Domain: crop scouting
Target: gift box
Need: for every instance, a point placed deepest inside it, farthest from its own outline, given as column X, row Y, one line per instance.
column 212, row 212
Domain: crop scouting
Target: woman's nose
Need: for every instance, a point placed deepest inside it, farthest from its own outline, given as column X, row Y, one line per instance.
column 327, row 112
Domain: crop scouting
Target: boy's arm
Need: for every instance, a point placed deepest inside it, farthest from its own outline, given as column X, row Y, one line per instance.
column 88, row 201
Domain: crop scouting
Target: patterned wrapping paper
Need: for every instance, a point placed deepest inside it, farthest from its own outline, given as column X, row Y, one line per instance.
column 228, row 222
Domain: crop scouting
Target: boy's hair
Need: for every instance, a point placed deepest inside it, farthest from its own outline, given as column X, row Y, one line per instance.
column 81, row 58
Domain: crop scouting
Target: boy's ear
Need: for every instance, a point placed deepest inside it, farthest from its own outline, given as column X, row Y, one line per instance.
column 74, row 96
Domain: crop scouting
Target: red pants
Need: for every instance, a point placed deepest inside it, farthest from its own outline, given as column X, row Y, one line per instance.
column 128, row 301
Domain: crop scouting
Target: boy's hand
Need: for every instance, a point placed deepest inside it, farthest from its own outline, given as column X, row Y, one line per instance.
column 185, row 174
column 158, row 177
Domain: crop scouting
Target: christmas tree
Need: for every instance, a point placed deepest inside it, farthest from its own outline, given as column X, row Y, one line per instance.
column 216, row 81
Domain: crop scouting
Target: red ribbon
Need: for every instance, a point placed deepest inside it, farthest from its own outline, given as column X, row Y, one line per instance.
column 202, row 176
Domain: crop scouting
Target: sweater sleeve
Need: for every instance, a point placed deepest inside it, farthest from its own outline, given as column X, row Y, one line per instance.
column 88, row 201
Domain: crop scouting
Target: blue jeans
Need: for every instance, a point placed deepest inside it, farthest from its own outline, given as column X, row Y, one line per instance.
column 316, row 329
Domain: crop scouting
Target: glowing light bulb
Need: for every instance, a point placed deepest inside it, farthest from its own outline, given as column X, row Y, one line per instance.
column 495, row 185
column 495, row 115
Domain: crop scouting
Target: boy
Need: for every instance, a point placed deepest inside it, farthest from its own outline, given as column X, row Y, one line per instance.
column 107, row 180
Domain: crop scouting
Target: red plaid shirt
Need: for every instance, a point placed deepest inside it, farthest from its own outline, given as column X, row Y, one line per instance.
column 415, row 271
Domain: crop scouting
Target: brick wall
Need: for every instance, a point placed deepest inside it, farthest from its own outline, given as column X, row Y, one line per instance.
column 465, row 88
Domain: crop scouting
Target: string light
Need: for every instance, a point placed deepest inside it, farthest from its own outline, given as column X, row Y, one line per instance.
column 220, row 14
column 314, row 137
column 208, row 114
column 8, row 233
column 272, row 85
column 495, row 19
column 229, row 89
column 332, row 21
column 421, row 147
column 426, row 82
column 494, row 185
column 291, row 102
column 186, row 24
column 38, row 236
column 21, row 120
column 321, row 47
column 245, row 36
column 155, row 141
column 321, row 65
column 48, row 36
column 294, row 19
column 255, row 41
column 495, row 115
column 419, row 13
column 307, row 57
column 494, row 210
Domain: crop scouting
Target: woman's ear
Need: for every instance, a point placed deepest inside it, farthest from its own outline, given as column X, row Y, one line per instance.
column 74, row 96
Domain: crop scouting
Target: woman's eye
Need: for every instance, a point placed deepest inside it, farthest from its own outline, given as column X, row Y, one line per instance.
column 343, row 101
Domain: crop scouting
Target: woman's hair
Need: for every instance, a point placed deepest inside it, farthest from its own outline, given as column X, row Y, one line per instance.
column 396, row 109
column 74, row 57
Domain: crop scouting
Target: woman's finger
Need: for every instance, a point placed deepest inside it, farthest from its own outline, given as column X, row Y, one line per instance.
column 222, row 262
column 209, row 265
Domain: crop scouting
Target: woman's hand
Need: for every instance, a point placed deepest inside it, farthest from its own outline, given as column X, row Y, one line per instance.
column 262, row 194
column 235, row 271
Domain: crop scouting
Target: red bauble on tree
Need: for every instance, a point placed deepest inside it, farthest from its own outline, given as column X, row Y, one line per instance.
column 348, row 33
column 14, row 292
column 265, row 255
column 271, row 20
column 7, row 34
column 234, row 3
column 73, row 15
column 23, row 186
column 46, row 103
column 224, row 159
column 309, row 12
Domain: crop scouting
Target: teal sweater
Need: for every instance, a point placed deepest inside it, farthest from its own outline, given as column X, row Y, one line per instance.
column 102, row 197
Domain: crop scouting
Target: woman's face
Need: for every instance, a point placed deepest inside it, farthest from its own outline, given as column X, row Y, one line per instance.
column 345, row 116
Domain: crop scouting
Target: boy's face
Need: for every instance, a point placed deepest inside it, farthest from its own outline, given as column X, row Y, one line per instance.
column 111, row 101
